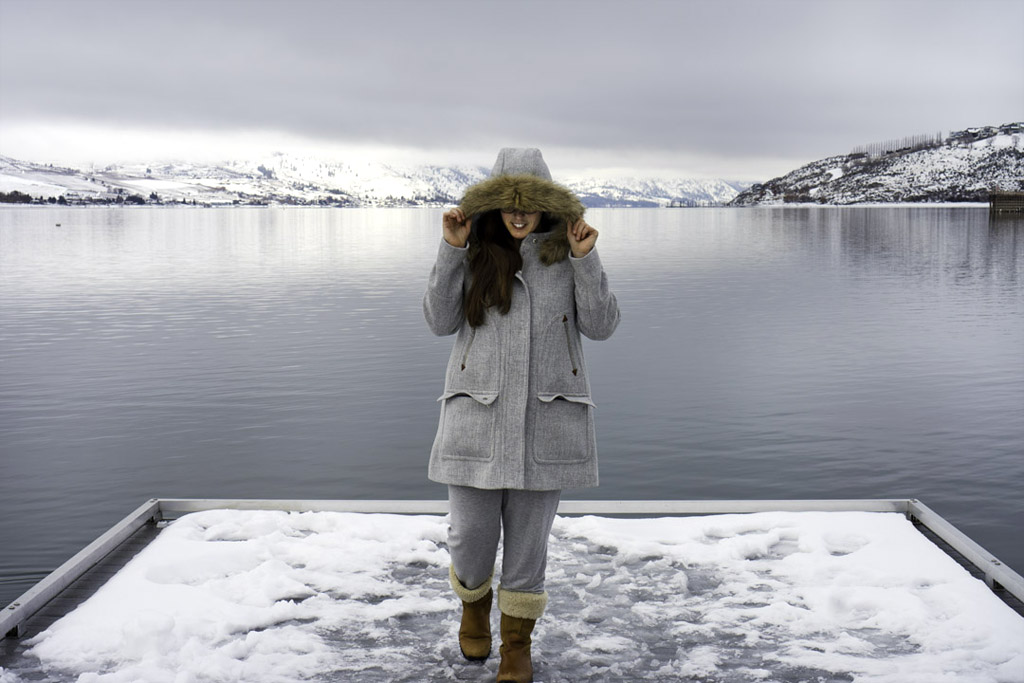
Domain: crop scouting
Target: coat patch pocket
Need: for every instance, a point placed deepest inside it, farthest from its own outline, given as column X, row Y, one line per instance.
column 564, row 430
column 467, row 425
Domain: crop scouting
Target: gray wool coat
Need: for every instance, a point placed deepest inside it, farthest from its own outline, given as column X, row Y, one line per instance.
column 516, row 411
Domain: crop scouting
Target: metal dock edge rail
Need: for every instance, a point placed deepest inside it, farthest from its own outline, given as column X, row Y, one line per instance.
column 997, row 575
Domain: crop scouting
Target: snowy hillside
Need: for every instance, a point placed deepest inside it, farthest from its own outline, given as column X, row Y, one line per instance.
column 279, row 179
column 286, row 179
column 964, row 166
column 654, row 192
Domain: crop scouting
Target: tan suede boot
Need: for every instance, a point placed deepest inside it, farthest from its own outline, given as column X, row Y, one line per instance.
column 475, row 629
column 516, row 664
column 519, row 613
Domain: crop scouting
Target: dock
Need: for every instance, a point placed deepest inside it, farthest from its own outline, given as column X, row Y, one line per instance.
column 1006, row 202
column 623, row 607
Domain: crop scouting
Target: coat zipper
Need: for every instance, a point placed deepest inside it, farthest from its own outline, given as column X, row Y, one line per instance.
column 568, row 343
column 469, row 345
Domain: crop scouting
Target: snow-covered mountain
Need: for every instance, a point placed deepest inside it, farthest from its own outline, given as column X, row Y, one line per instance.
column 654, row 192
column 962, row 167
column 289, row 179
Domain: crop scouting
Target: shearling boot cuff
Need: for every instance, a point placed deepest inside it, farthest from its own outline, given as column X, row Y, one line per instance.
column 522, row 605
column 468, row 594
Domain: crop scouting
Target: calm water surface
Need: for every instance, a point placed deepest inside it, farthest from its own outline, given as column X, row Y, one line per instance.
column 264, row 353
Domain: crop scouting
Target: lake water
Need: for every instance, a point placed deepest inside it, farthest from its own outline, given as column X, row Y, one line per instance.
column 281, row 353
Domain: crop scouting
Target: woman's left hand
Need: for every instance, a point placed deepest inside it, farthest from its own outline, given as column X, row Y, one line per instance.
column 582, row 237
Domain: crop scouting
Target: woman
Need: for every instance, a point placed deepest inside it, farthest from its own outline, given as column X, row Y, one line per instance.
column 518, row 278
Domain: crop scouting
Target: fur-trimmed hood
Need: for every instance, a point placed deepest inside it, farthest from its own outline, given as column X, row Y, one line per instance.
column 529, row 192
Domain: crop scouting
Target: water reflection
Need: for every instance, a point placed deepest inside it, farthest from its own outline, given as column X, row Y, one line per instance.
column 764, row 353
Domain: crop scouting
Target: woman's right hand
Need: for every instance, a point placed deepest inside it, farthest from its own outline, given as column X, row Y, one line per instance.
column 456, row 228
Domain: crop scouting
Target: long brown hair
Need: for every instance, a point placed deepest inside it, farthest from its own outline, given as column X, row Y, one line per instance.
column 494, row 260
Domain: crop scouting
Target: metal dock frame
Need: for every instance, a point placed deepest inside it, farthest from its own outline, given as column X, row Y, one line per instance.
column 997, row 575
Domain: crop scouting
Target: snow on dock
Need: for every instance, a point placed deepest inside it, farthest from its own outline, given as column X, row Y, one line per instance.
column 267, row 596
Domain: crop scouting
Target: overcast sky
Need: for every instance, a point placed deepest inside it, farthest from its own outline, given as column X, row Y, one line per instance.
column 740, row 89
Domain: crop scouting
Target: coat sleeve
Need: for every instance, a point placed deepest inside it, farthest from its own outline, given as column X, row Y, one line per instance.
column 597, row 311
column 442, row 303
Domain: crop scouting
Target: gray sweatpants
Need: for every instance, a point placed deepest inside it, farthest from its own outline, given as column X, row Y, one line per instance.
column 478, row 517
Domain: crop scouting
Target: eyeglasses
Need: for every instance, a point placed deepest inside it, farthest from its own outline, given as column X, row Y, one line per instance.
column 512, row 209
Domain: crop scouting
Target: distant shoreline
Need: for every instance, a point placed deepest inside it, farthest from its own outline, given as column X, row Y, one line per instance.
column 807, row 205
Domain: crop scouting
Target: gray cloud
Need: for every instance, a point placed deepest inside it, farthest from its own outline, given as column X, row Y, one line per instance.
column 735, row 79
